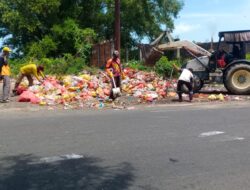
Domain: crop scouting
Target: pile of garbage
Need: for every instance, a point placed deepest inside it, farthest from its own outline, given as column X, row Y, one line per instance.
column 88, row 90
column 93, row 89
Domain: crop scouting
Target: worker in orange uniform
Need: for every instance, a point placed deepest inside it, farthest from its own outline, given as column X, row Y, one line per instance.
column 5, row 74
column 114, row 70
column 29, row 71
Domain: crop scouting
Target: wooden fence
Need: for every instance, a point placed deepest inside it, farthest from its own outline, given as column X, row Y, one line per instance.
column 101, row 53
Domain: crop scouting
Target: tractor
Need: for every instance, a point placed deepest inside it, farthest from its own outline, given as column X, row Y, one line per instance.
column 228, row 68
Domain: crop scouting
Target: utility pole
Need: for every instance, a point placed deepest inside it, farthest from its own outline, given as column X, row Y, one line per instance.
column 117, row 26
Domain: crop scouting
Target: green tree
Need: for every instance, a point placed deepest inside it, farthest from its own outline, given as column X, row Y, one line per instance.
column 27, row 21
column 165, row 68
column 144, row 18
column 71, row 26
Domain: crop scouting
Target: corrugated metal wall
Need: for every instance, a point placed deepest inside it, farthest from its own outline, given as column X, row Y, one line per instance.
column 101, row 53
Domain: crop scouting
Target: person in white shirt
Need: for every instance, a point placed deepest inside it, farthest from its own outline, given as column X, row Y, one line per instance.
column 186, row 78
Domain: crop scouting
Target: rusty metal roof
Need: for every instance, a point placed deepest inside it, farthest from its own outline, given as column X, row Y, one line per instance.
column 235, row 36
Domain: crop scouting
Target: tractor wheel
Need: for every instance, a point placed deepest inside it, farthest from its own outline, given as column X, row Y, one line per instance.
column 197, row 85
column 237, row 79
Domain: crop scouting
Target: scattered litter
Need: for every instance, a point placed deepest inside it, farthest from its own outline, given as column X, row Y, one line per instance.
column 219, row 97
column 130, row 108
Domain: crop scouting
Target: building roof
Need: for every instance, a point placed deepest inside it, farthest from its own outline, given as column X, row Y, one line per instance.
column 235, row 36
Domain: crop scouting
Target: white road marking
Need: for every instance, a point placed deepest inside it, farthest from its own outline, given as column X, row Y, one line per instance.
column 239, row 138
column 60, row 158
column 228, row 138
column 211, row 133
column 222, row 138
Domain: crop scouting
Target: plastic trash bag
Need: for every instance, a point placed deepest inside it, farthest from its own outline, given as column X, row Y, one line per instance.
column 28, row 96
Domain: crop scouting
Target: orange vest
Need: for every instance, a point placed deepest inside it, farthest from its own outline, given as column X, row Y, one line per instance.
column 5, row 70
column 114, row 66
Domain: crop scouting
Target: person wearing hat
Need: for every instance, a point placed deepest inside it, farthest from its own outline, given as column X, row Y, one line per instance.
column 5, row 74
column 28, row 71
column 114, row 70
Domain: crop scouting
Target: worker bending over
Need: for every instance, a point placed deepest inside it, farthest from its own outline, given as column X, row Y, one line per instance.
column 29, row 71
column 186, row 78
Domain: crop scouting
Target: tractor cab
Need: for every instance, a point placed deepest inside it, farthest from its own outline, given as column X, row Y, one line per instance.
column 231, row 48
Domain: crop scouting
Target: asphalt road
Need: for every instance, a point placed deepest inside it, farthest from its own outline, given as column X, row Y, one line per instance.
column 175, row 147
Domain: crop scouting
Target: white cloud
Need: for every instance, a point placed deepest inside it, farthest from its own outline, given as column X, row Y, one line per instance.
column 199, row 22
column 183, row 28
column 207, row 15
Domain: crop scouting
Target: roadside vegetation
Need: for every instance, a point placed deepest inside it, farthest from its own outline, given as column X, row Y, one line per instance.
column 60, row 33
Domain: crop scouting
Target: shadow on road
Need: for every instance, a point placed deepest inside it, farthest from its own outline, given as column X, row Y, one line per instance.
column 23, row 173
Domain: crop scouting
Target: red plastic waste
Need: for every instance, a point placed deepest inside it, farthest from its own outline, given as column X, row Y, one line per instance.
column 21, row 89
column 28, row 96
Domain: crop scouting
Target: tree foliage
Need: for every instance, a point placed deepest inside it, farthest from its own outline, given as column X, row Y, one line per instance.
column 164, row 67
column 52, row 28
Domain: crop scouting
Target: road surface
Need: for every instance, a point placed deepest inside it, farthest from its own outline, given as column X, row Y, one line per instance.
column 172, row 147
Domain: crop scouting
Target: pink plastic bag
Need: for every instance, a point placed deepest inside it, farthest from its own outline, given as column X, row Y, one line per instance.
column 28, row 96
column 35, row 100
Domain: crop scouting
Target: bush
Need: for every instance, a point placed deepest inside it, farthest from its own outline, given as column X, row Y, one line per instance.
column 71, row 38
column 42, row 48
column 16, row 64
column 164, row 67
column 55, row 66
column 138, row 65
column 65, row 65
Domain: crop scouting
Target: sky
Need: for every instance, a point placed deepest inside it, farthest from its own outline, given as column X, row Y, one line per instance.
column 199, row 20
